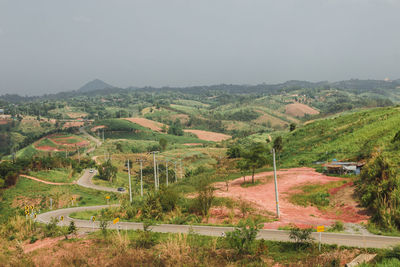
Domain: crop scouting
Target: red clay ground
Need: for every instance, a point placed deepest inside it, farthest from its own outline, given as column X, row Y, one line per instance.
column 153, row 125
column 345, row 208
column 299, row 110
column 209, row 136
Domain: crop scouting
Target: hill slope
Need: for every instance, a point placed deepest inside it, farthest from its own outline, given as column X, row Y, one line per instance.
column 94, row 85
column 345, row 137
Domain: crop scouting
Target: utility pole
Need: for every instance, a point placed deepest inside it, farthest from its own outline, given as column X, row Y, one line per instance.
column 155, row 170
column 276, row 185
column 130, row 184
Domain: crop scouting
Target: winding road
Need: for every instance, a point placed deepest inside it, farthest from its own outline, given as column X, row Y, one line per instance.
column 354, row 240
column 86, row 181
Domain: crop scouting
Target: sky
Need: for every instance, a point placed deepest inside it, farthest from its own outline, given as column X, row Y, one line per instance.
column 48, row 46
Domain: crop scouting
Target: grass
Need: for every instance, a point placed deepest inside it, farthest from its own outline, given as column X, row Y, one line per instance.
column 344, row 137
column 38, row 194
column 314, row 194
column 46, row 142
column 250, row 184
column 56, row 175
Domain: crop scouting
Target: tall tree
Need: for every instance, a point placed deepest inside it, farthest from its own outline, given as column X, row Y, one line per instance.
column 107, row 171
column 255, row 157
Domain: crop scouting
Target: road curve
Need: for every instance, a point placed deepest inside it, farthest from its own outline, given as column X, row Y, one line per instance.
column 86, row 181
column 371, row 241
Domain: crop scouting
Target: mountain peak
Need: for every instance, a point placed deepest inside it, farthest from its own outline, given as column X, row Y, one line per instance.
column 96, row 84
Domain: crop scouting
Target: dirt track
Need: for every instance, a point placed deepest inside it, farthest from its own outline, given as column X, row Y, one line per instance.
column 263, row 196
column 43, row 181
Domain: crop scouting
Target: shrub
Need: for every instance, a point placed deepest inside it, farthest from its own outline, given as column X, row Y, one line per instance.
column 243, row 237
column 103, row 227
column 72, row 228
column 337, row 227
column 301, row 236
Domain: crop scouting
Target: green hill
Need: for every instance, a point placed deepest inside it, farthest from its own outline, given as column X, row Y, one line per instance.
column 351, row 136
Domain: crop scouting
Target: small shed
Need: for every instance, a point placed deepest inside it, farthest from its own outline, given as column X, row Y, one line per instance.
column 338, row 167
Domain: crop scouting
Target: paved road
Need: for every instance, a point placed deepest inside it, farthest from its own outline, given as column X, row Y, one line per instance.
column 86, row 181
column 372, row 241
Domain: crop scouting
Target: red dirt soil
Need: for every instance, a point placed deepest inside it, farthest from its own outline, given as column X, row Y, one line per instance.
column 263, row 196
column 209, row 136
column 2, row 122
column 153, row 125
column 299, row 110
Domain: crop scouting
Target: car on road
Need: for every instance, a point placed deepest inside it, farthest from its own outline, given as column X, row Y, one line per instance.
column 120, row 189
column 91, row 171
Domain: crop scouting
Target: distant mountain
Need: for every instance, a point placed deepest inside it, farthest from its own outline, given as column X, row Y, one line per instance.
column 95, row 85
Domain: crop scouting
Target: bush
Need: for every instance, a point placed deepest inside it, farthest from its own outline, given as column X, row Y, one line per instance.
column 243, row 237
column 337, row 227
column 301, row 236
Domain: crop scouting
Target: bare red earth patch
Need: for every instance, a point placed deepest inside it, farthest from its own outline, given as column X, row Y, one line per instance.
column 263, row 196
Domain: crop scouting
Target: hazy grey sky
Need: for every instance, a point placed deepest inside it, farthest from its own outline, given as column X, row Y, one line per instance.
column 57, row 45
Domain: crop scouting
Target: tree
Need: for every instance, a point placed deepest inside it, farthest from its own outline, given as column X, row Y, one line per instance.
column 292, row 127
column 278, row 144
column 255, row 157
column 107, row 171
column 243, row 167
column 234, row 152
column 176, row 128
column 163, row 143
column 205, row 194
column 243, row 237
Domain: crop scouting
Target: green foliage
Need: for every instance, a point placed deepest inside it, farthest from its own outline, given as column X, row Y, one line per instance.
column 254, row 157
column 338, row 226
column 163, row 143
column 379, row 191
column 72, row 228
column 243, row 237
column 234, row 151
column 278, row 144
column 301, row 236
column 205, row 195
column 103, row 226
column 176, row 128
column 292, row 127
column 51, row 229
column 107, row 171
